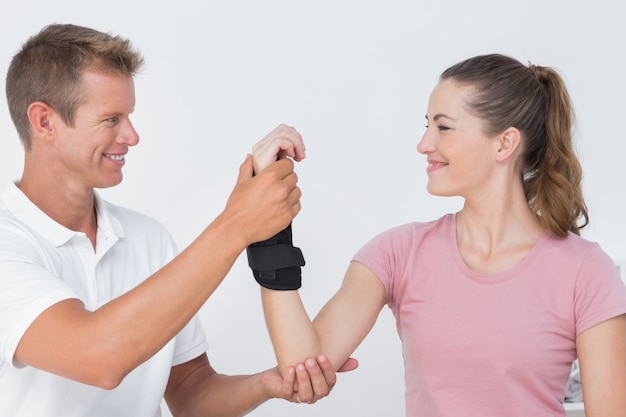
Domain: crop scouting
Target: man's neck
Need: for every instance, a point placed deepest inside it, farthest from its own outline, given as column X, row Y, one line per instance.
column 72, row 207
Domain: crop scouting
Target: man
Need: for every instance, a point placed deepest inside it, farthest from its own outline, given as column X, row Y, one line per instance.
column 97, row 313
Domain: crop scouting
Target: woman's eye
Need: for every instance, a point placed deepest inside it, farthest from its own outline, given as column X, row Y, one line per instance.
column 443, row 127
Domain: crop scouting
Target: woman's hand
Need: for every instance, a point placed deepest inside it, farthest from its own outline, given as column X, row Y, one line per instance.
column 283, row 141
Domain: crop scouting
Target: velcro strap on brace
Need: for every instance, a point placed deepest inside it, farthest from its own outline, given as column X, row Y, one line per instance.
column 266, row 258
column 276, row 263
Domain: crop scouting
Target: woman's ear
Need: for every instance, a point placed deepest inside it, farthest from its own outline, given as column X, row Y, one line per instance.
column 509, row 142
column 40, row 116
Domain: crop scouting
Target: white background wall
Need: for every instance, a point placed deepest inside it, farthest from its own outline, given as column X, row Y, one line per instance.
column 354, row 78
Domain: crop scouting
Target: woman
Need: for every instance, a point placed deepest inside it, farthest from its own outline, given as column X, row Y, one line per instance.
column 495, row 302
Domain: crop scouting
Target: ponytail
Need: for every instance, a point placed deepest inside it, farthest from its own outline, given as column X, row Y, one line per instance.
column 553, row 188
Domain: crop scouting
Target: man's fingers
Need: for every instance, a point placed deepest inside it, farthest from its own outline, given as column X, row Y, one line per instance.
column 283, row 167
column 322, row 375
column 305, row 390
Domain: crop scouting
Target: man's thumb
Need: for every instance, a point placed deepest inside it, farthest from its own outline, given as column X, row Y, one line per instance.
column 246, row 170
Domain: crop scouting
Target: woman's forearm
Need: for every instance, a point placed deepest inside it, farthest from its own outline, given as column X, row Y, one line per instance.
column 290, row 328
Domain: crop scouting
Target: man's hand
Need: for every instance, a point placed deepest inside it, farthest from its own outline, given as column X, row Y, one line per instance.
column 195, row 388
column 283, row 141
column 261, row 206
column 306, row 382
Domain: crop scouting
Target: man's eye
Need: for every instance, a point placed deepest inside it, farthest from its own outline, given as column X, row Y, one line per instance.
column 113, row 119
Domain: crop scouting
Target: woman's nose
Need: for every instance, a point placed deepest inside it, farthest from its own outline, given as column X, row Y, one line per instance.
column 425, row 144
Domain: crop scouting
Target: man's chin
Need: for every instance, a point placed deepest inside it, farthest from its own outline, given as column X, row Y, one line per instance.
column 110, row 183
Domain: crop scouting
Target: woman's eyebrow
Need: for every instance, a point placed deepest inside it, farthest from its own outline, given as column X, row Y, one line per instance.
column 439, row 116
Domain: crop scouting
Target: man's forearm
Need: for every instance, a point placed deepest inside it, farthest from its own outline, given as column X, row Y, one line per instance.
column 218, row 395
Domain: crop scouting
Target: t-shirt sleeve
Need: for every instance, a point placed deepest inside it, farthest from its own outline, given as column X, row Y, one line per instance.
column 383, row 255
column 190, row 342
column 600, row 293
column 26, row 290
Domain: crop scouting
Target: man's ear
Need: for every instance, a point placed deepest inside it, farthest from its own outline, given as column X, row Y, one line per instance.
column 41, row 120
column 509, row 142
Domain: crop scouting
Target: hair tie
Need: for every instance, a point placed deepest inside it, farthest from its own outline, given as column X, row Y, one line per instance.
column 535, row 70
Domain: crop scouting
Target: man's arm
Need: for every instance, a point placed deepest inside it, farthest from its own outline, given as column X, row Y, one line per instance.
column 108, row 343
column 196, row 389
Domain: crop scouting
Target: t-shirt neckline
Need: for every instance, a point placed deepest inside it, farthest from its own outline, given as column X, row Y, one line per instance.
column 491, row 278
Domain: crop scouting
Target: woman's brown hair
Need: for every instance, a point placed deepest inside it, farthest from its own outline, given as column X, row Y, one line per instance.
column 505, row 93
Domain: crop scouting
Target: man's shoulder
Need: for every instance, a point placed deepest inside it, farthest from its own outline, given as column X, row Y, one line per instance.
column 138, row 232
column 133, row 218
column 127, row 214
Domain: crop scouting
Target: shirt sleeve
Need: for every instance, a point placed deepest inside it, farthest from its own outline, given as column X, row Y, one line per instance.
column 26, row 289
column 190, row 342
column 375, row 257
column 600, row 293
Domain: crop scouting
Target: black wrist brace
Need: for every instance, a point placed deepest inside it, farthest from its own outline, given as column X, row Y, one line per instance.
column 276, row 263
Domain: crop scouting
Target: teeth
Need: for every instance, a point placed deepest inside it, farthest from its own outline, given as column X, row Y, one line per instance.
column 115, row 157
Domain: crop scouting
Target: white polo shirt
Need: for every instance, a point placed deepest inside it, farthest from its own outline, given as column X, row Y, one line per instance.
column 42, row 263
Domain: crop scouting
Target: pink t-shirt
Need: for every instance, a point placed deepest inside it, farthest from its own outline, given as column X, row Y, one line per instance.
column 490, row 345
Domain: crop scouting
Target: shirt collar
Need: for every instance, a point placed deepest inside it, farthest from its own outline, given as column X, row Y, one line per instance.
column 28, row 213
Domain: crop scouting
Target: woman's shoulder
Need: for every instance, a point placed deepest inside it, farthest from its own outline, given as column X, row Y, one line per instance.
column 574, row 246
column 574, row 252
column 412, row 236
column 420, row 228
